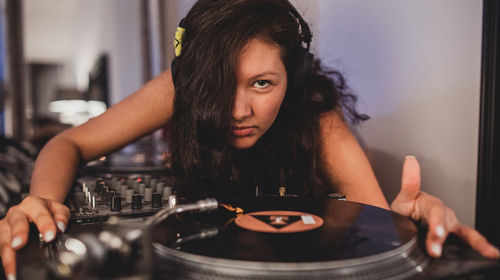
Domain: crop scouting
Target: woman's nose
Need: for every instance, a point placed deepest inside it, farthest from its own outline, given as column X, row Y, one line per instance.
column 242, row 106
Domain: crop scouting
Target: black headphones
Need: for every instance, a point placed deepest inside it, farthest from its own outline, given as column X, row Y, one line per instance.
column 305, row 61
column 303, row 69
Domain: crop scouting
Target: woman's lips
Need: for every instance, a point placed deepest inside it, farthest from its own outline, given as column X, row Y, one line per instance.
column 242, row 131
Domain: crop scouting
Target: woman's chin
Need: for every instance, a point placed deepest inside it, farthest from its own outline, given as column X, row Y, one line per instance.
column 243, row 142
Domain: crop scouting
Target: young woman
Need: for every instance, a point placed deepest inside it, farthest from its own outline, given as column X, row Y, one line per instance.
column 245, row 111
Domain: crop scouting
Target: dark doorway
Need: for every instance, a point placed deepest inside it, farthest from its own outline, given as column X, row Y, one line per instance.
column 488, row 180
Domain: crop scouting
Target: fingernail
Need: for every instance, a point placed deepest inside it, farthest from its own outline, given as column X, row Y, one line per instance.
column 497, row 252
column 440, row 231
column 61, row 226
column 410, row 156
column 436, row 249
column 48, row 236
column 16, row 242
column 11, row 277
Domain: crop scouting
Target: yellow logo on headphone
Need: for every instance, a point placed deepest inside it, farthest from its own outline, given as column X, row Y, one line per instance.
column 179, row 35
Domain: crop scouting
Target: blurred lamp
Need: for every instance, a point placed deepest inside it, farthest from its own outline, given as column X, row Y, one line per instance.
column 73, row 108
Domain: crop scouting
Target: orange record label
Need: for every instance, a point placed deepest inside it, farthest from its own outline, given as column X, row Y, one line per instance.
column 279, row 221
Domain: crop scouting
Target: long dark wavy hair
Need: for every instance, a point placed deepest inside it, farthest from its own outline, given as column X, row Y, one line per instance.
column 289, row 153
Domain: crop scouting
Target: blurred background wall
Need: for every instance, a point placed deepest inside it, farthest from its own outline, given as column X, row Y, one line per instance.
column 73, row 34
column 416, row 67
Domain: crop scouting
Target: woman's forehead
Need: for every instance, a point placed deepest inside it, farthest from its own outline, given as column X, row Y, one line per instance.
column 259, row 57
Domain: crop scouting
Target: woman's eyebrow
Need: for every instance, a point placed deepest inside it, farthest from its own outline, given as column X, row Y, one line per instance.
column 263, row 74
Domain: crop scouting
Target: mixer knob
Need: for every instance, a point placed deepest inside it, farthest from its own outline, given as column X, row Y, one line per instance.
column 109, row 197
column 135, row 185
column 130, row 180
column 142, row 187
column 116, row 203
column 123, row 190
column 159, row 187
column 128, row 196
column 147, row 179
column 148, row 193
column 136, row 201
column 156, row 200
column 104, row 190
column 99, row 184
column 116, row 186
column 153, row 183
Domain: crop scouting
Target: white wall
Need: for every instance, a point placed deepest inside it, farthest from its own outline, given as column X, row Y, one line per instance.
column 415, row 66
column 74, row 33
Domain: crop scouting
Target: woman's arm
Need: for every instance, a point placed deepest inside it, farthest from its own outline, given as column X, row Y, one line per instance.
column 346, row 163
column 144, row 111
column 350, row 170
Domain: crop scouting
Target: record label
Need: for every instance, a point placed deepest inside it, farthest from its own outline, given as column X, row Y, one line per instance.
column 279, row 221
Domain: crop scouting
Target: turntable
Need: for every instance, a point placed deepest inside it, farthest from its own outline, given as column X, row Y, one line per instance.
column 289, row 238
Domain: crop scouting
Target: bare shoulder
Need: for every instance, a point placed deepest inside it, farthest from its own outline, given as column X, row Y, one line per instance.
column 335, row 134
column 332, row 124
column 346, row 163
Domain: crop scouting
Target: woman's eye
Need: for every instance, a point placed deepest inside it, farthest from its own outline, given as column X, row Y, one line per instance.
column 261, row 84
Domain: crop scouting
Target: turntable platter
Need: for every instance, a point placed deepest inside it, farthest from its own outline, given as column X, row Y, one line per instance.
column 289, row 238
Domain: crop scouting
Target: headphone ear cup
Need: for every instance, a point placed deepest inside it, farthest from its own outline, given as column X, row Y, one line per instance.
column 173, row 69
column 304, row 68
column 308, row 64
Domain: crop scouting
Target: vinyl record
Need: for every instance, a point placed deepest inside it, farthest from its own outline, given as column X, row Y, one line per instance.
column 288, row 238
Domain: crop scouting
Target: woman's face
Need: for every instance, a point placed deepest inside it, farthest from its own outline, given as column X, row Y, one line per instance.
column 261, row 86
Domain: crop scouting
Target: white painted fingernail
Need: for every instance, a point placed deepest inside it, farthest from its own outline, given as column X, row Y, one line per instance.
column 61, row 226
column 48, row 236
column 11, row 277
column 440, row 231
column 410, row 156
column 436, row 249
column 16, row 242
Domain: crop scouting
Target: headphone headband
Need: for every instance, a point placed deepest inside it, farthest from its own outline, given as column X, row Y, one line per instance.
column 305, row 35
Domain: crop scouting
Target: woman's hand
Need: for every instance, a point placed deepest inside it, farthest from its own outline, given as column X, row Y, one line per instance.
column 47, row 215
column 411, row 202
